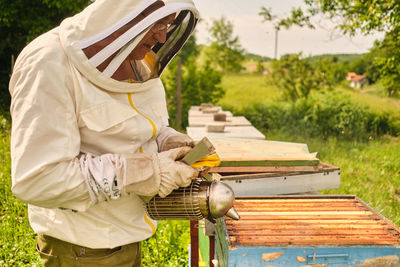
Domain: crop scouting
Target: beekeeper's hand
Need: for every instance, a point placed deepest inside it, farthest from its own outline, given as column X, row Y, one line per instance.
column 168, row 139
column 159, row 173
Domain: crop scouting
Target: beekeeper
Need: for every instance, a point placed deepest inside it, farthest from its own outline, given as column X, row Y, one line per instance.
column 90, row 129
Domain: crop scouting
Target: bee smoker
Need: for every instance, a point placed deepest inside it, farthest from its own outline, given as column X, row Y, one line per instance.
column 202, row 199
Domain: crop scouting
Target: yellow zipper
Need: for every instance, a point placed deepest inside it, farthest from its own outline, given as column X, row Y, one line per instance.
column 150, row 223
column 151, row 122
column 146, row 219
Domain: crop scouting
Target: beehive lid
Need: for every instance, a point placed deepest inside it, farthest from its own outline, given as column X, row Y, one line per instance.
column 309, row 221
column 230, row 121
column 248, row 132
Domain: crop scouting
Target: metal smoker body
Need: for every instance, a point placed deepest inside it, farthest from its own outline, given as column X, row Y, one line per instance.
column 202, row 199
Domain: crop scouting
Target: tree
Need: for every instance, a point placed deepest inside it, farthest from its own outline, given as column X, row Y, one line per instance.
column 259, row 67
column 225, row 50
column 200, row 83
column 296, row 76
column 189, row 50
column 368, row 16
column 331, row 70
column 388, row 62
column 365, row 16
column 23, row 20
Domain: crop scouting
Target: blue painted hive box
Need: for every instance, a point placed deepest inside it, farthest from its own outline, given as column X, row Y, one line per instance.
column 320, row 230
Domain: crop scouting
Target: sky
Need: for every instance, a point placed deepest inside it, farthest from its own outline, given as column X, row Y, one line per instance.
column 259, row 38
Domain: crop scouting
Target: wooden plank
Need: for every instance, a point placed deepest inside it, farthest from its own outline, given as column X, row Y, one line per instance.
column 300, row 213
column 275, row 170
column 311, row 223
column 256, row 205
column 238, row 149
column 339, row 240
column 300, row 197
column 194, row 244
column 297, row 200
column 197, row 121
column 265, row 169
column 248, row 161
column 303, row 209
column 313, row 232
column 200, row 113
column 247, row 132
column 300, row 206
column 253, row 226
column 304, row 217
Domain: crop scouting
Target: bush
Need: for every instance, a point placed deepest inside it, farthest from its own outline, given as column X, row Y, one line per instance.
column 324, row 115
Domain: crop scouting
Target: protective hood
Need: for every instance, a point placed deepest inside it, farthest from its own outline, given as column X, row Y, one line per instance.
column 120, row 45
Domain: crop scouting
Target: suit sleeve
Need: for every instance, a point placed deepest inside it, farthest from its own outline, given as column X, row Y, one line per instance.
column 47, row 167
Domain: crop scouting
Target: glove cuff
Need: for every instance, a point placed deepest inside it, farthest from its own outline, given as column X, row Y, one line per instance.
column 162, row 137
column 169, row 139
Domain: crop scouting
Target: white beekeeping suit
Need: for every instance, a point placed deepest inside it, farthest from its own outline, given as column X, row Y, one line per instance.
column 84, row 140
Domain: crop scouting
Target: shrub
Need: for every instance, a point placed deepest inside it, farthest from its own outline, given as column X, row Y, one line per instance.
column 325, row 115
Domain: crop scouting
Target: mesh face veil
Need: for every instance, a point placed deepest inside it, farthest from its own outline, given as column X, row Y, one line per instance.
column 139, row 46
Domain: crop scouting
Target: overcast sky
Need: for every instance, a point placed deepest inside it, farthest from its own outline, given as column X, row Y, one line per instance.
column 257, row 37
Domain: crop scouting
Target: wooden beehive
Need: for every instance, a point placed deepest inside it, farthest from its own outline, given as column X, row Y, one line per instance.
column 319, row 220
column 296, row 230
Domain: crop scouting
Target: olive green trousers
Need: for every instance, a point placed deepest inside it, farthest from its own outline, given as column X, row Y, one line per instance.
column 55, row 252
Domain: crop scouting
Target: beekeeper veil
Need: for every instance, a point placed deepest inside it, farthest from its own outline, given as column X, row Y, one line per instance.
column 127, row 41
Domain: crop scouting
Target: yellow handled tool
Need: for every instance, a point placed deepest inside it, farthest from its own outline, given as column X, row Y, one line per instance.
column 212, row 160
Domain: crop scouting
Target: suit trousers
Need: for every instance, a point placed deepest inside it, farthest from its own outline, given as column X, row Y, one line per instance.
column 57, row 253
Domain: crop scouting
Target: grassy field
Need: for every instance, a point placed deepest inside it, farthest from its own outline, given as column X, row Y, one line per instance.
column 368, row 97
column 245, row 89
column 370, row 170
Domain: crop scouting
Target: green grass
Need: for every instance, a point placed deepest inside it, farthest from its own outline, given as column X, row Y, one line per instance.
column 244, row 89
column 375, row 102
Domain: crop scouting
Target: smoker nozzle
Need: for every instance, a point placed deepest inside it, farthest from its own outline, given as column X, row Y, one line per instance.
column 232, row 213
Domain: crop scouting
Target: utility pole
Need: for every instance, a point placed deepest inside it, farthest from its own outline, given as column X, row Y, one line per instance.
column 298, row 18
column 276, row 43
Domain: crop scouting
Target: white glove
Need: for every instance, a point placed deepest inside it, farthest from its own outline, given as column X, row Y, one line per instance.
column 168, row 138
column 160, row 173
